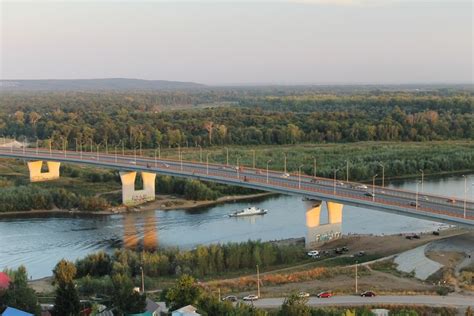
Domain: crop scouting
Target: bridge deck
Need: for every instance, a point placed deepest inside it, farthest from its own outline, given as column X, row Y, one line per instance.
column 429, row 206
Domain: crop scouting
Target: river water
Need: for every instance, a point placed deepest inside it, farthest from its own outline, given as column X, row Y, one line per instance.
column 40, row 242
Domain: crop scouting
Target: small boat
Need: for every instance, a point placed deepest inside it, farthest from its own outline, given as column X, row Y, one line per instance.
column 249, row 211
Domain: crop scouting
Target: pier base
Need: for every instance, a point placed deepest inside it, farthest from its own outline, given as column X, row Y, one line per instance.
column 35, row 171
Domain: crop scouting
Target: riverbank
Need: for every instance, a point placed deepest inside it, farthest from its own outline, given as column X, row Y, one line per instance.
column 162, row 202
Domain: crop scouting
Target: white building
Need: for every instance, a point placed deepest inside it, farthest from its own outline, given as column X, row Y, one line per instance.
column 188, row 310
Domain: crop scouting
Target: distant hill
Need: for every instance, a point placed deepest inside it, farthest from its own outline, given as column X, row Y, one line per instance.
column 117, row 84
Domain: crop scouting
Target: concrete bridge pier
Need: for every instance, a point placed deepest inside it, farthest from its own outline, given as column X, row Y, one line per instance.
column 317, row 234
column 36, row 175
column 130, row 196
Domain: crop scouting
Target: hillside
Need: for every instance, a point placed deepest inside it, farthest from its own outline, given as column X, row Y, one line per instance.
column 117, row 84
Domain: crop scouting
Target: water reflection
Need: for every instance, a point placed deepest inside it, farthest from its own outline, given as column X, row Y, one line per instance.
column 132, row 236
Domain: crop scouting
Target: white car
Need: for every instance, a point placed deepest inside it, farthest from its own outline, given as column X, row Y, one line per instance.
column 313, row 253
column 285, row 175
column 362, row 187
column 303, row 294
column 250, row 297
column 133, row 162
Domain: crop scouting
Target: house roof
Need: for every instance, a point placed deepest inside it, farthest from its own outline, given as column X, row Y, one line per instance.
column 151, row 306
column 4, row 280
column 10, row 311
column 187, row 309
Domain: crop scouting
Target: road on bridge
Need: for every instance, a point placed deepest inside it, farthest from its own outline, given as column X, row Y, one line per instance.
column 416, row 204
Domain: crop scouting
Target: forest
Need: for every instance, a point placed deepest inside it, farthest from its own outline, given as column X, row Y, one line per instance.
column 234, row 117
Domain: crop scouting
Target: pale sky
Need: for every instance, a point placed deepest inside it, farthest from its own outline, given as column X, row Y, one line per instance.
column 240, row 42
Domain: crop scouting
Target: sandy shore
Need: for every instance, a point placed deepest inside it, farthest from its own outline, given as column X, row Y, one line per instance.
column 162, row 202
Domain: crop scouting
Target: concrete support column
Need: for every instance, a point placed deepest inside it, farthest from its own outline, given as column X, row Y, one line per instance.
column 334, row 212
column 35, row 171
column 313, row 215
column 130, row 196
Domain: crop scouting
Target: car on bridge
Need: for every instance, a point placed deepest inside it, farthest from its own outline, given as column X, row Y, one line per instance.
column 361, row 187
column 285, row 175
column 371, row 194
column 413, row 203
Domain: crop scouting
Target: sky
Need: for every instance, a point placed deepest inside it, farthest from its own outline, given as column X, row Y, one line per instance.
column 240, row 42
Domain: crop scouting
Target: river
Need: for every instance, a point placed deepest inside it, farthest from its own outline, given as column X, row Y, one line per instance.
column 39, row 242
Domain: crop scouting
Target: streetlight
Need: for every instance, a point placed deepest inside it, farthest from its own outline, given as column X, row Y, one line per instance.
column 383, row 174
column 268, row 162
column 227, row 156
column 207, row 163
column 422, row 177
column 106, row 147
column 335, row 173
column 115, row 153
column 347, row 170
column 159, row 151
column 253, row 164
column 314, row 167
column 36, row 145
column 50, row 151
column 140, row 142
column 200, row 153
column 180, row 156
column 465, row 194
column 284, row 155
column 238, row 168
column 356, row 276
column 299, row 176
column 416, row 196
column 373, row 187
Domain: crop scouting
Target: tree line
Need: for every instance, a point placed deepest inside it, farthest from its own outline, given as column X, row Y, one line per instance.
column 151, row 120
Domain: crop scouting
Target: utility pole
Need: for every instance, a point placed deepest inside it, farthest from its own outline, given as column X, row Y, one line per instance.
column 253, row 165
column 284, row 157
column 143, row 280
column 258, row 282
column 299, row 176
column 227, row 156
column 373, row 187
column 356, row 277
column 207, row 163
column 383, row 174
column 268, row 162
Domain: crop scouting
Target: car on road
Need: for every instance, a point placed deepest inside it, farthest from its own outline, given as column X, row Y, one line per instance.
column 133, row 162
column 313, row 253
column 285, row 175
column 369, row 194
column 452, row 201
column 325, row 294
column 303, row 294
column 340, row 183
column 436, row 233
column 359, row 254
column 425, row 198
column 230, row 298
column 361, row 187
column 367, row 294
column 166, row 165
column 250, row 297
column 414, row 204
column 314, row 181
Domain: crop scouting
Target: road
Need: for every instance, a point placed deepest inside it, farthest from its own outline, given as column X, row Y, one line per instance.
column 415, row 204
column 432, row 300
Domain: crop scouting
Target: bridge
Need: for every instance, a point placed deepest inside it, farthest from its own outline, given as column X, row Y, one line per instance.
column 335, row 193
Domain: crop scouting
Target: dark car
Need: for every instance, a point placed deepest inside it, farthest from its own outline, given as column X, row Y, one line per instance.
column 345, row 249
column 367, row 294
column 230, row 298
column 436, row 233
column 338, row 251
column 360, row 254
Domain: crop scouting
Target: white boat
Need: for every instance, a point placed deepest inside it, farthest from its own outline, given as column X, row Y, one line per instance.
column 249, row 211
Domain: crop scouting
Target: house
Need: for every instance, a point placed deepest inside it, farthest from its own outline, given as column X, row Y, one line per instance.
column 188, row 310
column 152, row 309
column 10, row 311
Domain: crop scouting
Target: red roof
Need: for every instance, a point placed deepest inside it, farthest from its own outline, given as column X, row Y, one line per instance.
column 4, row 280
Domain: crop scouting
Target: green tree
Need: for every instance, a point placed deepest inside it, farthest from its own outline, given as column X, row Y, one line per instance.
column 18, row 294
column 184, row 292
column 295, row 305
column 67, row 300
column 125, row 298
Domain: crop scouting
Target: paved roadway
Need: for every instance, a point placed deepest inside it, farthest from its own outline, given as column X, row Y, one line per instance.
column 350, row 300
column 429, row 206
